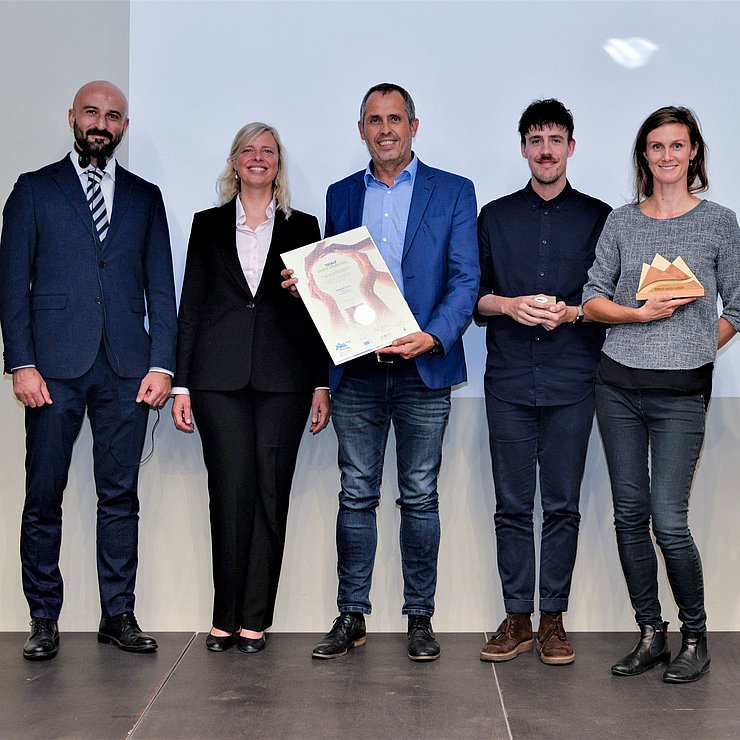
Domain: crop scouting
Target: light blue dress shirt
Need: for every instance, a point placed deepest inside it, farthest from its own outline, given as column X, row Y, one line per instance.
column 386, row 212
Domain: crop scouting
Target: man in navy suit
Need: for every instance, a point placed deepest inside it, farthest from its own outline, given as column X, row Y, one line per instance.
column 84, row 260
column 424, row 223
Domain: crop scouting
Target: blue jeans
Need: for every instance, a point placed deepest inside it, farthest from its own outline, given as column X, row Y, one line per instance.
column 370, row 396
column 555, row 438
column 669, row 428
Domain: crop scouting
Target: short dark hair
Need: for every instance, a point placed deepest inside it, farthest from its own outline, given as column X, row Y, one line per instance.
column 384, row 88
column 541, row 113
column 697, row 166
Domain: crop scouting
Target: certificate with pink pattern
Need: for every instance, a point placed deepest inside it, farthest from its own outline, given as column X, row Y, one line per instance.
column 350, row 294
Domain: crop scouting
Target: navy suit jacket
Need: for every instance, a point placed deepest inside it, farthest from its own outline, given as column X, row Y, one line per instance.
column 60, row 288
column 439, row 262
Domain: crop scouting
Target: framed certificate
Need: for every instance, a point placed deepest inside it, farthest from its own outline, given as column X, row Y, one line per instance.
column 350, row 294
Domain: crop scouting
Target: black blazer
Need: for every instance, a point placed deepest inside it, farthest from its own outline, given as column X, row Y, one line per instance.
column 229, row 337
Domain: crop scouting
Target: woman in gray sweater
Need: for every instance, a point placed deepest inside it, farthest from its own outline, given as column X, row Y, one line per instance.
column 655, row 376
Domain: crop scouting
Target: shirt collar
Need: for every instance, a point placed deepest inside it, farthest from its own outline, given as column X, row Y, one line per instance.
column 110, row 167
column 241, row 216
column 535, row 201
column 407, row 173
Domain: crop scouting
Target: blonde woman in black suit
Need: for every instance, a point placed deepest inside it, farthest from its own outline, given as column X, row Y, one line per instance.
column 253, row 366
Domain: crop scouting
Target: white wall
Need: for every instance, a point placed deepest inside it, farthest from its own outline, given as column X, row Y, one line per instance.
column 180, row 132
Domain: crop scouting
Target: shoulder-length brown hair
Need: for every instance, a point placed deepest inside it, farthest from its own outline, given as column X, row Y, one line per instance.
column 697, row 180
column 228, row 183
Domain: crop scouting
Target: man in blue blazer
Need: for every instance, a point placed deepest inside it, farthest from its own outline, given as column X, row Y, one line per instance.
column 424, row 223
column 84, row 261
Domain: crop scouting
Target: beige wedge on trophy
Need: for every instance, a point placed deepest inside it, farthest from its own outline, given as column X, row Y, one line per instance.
column 662, row 277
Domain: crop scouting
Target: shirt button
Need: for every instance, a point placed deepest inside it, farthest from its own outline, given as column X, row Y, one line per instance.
column 546, row 212
column 544, row 241
column 542, row 274
column 386, row 215
column 384, row 239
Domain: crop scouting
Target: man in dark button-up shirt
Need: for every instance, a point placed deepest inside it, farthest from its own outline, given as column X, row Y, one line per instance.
column 536, row 246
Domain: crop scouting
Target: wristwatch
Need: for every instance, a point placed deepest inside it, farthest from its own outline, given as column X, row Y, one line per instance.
column 438, row 350
column 580, row 316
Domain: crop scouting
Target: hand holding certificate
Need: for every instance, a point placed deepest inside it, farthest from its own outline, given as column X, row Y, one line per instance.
column 350, row 294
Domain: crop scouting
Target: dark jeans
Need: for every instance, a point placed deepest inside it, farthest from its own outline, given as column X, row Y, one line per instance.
column 521, row 438
column 370, row 396
column 652, row 440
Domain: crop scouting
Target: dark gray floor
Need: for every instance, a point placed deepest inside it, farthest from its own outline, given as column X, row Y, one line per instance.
column 183, row 691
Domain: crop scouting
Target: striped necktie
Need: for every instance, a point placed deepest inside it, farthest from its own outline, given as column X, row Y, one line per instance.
column 96, row 202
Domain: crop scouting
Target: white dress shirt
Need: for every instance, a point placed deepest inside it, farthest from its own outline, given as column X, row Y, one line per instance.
column 252, row 245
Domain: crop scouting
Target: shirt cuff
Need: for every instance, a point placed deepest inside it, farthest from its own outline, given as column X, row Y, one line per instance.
column 162, row 370
column 20, row 367
column 179, row 391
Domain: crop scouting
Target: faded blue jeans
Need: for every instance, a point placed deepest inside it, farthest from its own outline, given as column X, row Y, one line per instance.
column 370, row 396
column 665, row 429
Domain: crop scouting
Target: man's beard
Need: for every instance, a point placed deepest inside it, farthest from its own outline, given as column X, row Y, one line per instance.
column 94, row 149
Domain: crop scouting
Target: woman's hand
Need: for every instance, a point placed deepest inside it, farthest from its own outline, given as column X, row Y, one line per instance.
column 289, row 284
column 182, row 414
column 320, row 410
column 660, row 307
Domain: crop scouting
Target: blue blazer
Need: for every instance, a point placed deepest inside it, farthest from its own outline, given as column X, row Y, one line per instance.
column 439, row 262
column 60, row 287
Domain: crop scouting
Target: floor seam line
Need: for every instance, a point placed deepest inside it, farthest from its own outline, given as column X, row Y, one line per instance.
column 161, row 686
column 500, row 696
column 503, row 706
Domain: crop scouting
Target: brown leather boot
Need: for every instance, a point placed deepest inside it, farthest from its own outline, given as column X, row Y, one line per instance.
column 513, row 636
column 553, row 644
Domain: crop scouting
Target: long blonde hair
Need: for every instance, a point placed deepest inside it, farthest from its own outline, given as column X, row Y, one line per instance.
column 228, row 184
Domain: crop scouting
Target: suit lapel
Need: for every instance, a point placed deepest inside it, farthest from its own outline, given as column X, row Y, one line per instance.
column 356, row 200
column 121, row 198
column 423, row 187
column 227, row 238
column 279, row 229
column 66, row 178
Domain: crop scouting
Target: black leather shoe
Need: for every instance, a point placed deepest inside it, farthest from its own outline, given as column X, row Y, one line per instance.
column 251, row 644
column 423, row 644
column 692, row 661
column 348, row 631
column 43, row 642
column 651, row 650
column 220, row 644
column 124, row 632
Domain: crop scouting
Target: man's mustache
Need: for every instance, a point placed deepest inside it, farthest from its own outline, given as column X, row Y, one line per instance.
column 98, row 132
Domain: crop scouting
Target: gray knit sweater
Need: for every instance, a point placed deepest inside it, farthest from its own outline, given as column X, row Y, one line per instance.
column 708, row 239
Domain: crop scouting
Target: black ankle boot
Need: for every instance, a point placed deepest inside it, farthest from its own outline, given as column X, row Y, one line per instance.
column 651, row 650
column 692, row 661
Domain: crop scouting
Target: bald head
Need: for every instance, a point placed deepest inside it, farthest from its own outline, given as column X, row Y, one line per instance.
column 99, row 118
column 113, row 94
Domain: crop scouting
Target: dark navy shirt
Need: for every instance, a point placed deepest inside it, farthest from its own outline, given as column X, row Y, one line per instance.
column 528, row 245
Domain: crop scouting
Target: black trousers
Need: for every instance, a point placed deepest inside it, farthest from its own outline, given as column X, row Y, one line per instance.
column 250, row 444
